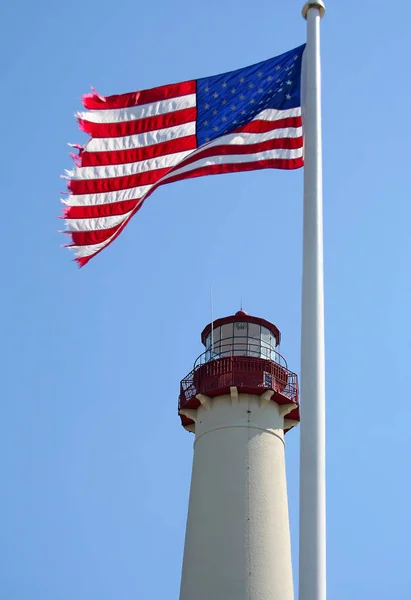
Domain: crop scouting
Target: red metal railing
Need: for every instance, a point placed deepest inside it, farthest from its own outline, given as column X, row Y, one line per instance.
column 248, row 374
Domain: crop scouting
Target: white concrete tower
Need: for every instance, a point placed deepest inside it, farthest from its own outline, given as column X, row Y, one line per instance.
column 239, row 400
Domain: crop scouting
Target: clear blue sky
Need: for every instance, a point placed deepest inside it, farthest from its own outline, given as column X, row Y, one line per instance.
column 95, row 467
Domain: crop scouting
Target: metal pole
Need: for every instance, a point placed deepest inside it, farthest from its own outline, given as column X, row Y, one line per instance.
column 312, row 576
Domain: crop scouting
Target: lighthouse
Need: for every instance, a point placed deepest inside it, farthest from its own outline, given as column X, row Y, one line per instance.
column 239, row 400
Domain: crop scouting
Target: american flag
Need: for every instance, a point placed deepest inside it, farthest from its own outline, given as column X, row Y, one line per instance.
column 238, row 121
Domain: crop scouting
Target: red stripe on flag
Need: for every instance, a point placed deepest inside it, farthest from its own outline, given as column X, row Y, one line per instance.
column 274, row 163
column 95, row 211
column 88, row 238
column 109, row 130
column 117, row 157
column 260, row 126
column 83, row 261
column 237, row 149
column 95, row 102
column 113, row 184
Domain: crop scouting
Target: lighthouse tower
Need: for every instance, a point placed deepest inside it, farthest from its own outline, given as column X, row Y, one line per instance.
column 239, row 401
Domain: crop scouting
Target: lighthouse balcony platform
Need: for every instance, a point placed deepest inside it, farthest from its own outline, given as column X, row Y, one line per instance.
column 249, row 374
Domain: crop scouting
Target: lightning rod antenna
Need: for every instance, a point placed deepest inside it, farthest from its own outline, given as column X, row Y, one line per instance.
column 212, row 321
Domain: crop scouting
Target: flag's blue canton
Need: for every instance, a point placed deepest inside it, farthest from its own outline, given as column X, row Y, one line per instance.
column 227, row 101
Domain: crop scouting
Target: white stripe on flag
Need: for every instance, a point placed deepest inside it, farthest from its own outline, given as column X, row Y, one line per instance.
column 83, row 251
column 236, row 159
column 107, row 197
column 96, row 223
column 244, row 139
column 132, row 113
column 271, row 114
column 142, row 139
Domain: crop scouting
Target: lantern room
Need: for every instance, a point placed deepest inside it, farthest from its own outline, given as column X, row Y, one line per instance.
column 241, row 335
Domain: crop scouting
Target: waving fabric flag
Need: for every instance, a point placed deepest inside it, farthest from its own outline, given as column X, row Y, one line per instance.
column 238, row 121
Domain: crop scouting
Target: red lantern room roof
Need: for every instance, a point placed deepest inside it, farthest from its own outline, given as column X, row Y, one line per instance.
column 241, row 317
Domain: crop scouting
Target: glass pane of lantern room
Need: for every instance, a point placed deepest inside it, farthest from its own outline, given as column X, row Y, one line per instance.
column 265, row 336
column 226, row 339
column 240, row 346
column 265, row 351
column 240, row 339
column 273, row 344
column 265, row 342
column 240, row 329
column 254, row 339
column 216, row 340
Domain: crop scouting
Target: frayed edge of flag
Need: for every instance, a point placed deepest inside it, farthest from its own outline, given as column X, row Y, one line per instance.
column 81, row 123
column 84, row 126
column 76, row 158
column 80, row 261
column 69, row 174
column 94, row 95
column 66, row 211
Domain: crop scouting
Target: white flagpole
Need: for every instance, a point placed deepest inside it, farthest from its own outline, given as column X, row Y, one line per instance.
column 312, row 576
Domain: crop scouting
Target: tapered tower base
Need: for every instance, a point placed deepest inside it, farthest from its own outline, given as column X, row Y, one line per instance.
column 237, row 540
